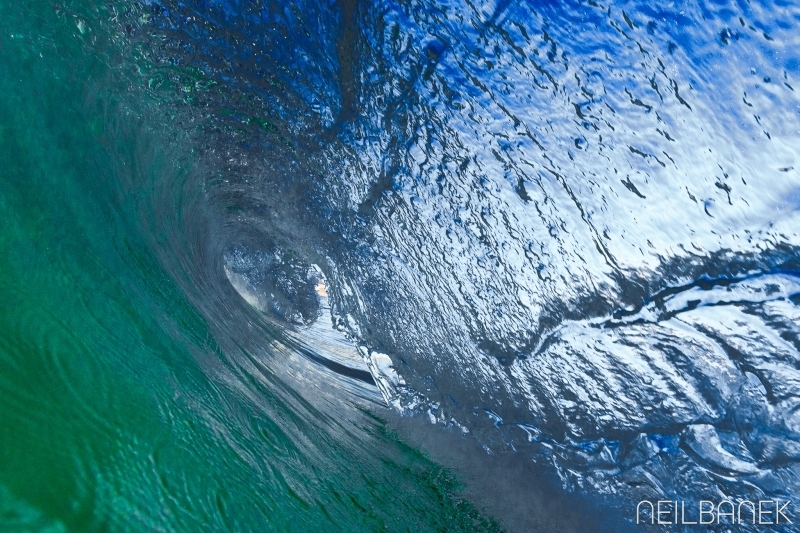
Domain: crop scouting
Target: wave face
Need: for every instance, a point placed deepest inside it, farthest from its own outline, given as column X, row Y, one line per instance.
column 580, row 236
column 579, row 230
column 139, row 390
column 234, row 231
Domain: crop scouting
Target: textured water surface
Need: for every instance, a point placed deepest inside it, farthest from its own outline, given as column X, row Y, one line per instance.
column 238, row 236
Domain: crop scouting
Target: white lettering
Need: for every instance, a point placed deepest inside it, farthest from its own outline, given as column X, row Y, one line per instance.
column 664, row 512
column 683, row 516
column 720, row 514
column 762, row 511
column 708, row 512
column 752, row 508
column 779, row 512
column 652, row 511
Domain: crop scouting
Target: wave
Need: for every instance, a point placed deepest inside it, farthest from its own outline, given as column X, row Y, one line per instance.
column 563, row 232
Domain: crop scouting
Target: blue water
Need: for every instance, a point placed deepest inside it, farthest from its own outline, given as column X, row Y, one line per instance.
column 562, row 234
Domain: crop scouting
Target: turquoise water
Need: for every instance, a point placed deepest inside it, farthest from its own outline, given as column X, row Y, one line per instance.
column 120, row 408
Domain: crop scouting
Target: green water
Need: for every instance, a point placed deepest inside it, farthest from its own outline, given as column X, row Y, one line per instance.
column 111, row 418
